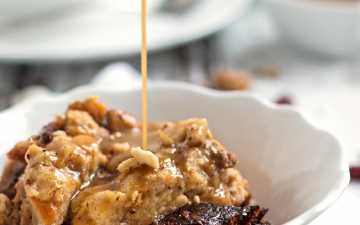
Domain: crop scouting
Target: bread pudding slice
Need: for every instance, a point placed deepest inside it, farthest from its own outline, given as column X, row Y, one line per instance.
column 87, row 168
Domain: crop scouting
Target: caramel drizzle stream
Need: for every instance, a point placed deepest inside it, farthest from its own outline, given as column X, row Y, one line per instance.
column 144, row 74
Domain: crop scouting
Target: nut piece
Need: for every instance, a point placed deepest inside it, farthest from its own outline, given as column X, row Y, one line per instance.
column 197, row 199
column 232, row 80
column 121, row 147
column 165, row 139
column 145, row 157
column 182, row 200
column 116, row 160
column 127, row 165
column 118, row 120
column 140, row 157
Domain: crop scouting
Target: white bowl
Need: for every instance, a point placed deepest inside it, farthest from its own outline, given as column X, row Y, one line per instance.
column 294, row 169
column 324, row 27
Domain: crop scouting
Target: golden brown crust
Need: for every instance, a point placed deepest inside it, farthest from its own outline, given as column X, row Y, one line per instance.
column 92, row 106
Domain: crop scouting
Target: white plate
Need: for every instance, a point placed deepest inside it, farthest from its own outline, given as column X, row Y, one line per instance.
column 293, row 168
column 101, row 30
column 15, row 9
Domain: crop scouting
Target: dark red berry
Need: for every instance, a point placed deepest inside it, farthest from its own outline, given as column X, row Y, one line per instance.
column 284, row 100
column 355, row 172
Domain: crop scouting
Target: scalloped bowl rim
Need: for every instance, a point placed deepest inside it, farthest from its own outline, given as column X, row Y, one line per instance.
column 305, row 217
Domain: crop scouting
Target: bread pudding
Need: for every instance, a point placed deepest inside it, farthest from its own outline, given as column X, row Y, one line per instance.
column 87, row 168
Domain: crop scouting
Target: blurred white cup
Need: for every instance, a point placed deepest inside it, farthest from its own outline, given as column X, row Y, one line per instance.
column 329, row 27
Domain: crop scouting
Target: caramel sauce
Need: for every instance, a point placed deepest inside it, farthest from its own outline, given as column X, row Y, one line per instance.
column 47, row 211
column 144, row 73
